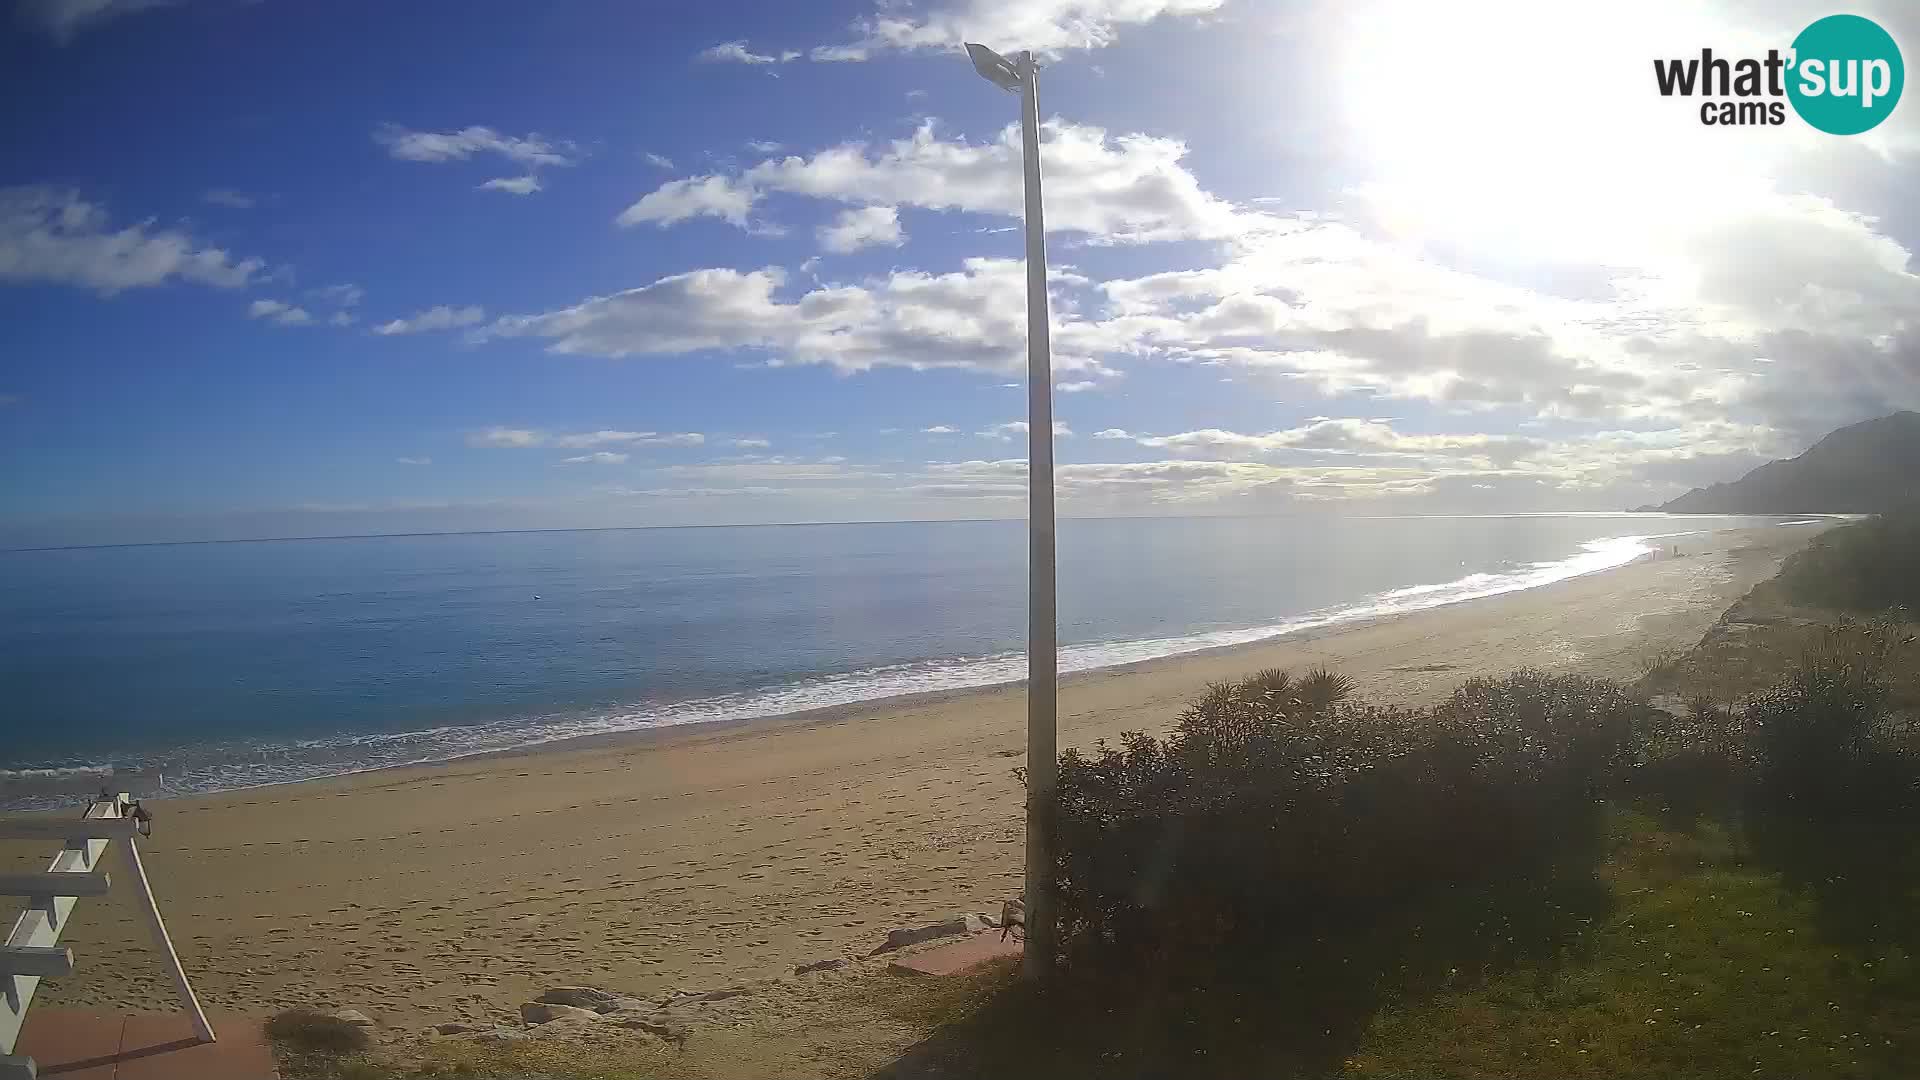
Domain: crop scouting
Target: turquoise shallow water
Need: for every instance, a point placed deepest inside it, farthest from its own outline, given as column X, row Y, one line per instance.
column 214, row 666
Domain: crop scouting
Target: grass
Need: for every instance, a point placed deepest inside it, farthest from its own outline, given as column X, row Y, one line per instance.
column 528, row 1060
column 1710, row 963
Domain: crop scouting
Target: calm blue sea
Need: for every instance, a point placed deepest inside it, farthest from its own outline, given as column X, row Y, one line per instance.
column 214, row 666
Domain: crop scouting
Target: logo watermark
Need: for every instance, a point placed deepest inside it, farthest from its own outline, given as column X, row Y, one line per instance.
column 1843, row 75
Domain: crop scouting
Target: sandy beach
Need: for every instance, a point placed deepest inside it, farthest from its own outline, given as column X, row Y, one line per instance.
column 703, row 856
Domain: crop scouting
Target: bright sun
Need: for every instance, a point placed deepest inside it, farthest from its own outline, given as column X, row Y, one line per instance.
column 1533, row 130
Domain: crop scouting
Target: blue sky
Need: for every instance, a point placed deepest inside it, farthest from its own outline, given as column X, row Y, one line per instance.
column 273, row 268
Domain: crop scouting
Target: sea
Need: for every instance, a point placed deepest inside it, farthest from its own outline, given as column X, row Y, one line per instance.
column 184, row 668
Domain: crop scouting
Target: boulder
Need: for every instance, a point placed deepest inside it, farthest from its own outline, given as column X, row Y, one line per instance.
column 584, row 997
column 698, row 997
column 569, row 1028
column 460, row 1027
column 663, row 1028
column 958, row 926
column 541, row 1012
column 353, row 1016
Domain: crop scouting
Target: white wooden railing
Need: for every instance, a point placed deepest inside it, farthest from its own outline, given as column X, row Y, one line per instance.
column 32, row 952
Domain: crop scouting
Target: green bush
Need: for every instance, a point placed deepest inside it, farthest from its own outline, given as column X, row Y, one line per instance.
column 1870, row 566
column 1693, row 762
column 1278, row 809
column 1826, row 743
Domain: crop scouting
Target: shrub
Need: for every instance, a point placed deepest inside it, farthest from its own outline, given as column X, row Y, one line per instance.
column 1870, row 566
column 306, row 1031
column 1278, row 809
column 1694, row 762
column 1825, row 741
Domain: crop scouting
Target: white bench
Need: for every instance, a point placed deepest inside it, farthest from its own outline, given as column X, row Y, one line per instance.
column 31, row 951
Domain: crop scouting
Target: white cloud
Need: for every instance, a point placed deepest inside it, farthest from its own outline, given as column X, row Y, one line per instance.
column 528, row 438
column 658, row 161
column 1045, row 26
column 280, row 313
column 47, row 234
column 629, row 438
column 736, row 52
column 413, row 460
column 1331, row 459
column 749, row 444
column 229, row 198
column 940, row 429
column 1008, row 430
column 341, row 318
column 1129, row 188
column 763, row 146
column 598, row 457
column 773, row 469
column 531, row 149
column 507, row 438
column 63, row 19
column 1671, row 337
column 1337, row 436
column 974, row 318
column 1076, row 387
column 701, row 196
column 868, row 226
column 513, row 185
column 435, row 318
column 347, row 295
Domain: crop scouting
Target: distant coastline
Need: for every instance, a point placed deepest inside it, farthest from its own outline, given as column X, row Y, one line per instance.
column 1643, row 511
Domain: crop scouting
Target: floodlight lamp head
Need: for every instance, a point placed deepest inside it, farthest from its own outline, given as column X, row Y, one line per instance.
column 994, row 68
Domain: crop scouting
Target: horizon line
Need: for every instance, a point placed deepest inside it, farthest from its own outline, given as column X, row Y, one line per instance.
column 803, row 524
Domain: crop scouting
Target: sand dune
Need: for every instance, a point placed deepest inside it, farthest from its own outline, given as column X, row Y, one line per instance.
column 702, row 857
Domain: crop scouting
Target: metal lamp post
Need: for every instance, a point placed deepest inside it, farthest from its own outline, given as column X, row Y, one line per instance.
column 1019, row 76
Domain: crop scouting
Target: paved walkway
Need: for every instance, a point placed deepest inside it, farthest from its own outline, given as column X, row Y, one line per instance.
column 74, row 1045
column 958, row 957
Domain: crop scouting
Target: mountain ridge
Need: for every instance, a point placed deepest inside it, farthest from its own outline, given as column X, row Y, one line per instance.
column 1864, row 468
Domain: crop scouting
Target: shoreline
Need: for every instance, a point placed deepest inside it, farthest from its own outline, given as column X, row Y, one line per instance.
column 1312, row 626
column 713, row 854
column 638, row 738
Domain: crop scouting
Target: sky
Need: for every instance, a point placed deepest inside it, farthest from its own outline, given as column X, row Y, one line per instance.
column 271, row 268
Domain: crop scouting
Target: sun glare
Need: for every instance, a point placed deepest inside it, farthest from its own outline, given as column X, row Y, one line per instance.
column 1534, row 130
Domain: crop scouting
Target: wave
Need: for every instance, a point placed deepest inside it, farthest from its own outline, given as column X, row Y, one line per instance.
column 232, row 765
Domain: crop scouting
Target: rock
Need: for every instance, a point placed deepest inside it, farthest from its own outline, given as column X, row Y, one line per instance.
column 584, row 997
column 459, row 1027
column 494, row 1035
column 540, row 1012
column 569, row 1027
column 957, row 926
column 819, row 965
column 668, row 1030
column 353, row 1016
column 697, row 997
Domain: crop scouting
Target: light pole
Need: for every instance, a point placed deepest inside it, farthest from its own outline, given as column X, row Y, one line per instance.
column 1019, row 76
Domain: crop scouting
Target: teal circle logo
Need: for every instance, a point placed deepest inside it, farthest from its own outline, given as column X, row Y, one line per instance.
column 1847, row 75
